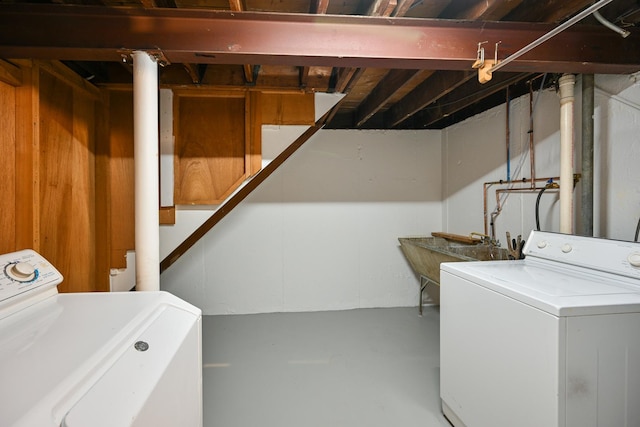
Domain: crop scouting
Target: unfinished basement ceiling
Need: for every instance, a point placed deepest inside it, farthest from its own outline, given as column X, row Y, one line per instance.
column 384, row 89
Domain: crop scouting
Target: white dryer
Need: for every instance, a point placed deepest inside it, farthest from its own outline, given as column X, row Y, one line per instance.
column 549, row 341
column 94, row 359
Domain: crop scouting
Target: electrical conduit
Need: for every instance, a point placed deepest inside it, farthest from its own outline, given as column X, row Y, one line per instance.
column 587, row 153
column 567, row 83
column 145, row 135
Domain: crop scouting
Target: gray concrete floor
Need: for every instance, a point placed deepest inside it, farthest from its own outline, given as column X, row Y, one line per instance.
column 368, row 367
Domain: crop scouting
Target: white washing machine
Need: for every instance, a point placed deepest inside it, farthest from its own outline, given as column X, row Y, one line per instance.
column 549, row 341
column 94, row 359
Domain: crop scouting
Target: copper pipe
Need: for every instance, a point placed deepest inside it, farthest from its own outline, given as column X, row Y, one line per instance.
column 495, row 214
column 518, row 181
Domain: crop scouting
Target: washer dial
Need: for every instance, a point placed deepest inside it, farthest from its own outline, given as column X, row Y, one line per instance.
column 21, row 272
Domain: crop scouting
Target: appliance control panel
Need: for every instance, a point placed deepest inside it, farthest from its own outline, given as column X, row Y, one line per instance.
column 25, row 271
column 611, row 256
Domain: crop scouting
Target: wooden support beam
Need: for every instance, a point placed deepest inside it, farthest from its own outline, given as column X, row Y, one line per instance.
column 388, row 86
column 403, row 7
column 215, row 37
column 469, row 93
column 237, row 6
column 304, row 76
column 345, row 76
column 547, row 10
column 194, row 73
column 381, row 7
column 319, row 6
column 148, row 3
column 427, row 92
column 10, row 73
column 489, row 10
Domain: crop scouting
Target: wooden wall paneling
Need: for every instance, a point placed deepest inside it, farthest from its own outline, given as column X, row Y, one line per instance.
column 102, row 195
column 27, row 159
column 57, row 228
column 255, row 132
column 210, row 151
column 122, row 176
column 67, row 187
column 293, row 108
column 83, row 179
column 248, row 132
column 8, row 167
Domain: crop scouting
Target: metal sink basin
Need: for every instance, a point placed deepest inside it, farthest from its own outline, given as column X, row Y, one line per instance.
column 426, row 253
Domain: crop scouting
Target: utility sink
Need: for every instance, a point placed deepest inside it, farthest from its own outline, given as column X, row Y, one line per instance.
column 426, row 253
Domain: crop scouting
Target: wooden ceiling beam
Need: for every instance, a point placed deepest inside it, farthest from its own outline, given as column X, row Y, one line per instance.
column 426, row 93
column 382, row 7
column 348, row 77
column 469, row 93
column 489, row 10
column 380, row 95
column 402, row 7
column 547, row 10
column 194, row 73
column 393, row 82
column 237, row 6
column 217, row 37
column 319, row 6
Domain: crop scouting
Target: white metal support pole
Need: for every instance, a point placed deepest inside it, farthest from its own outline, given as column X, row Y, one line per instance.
column 567, row 83
column 145, row 130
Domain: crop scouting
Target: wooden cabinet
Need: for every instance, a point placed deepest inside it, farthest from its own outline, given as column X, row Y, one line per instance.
column 213, row 145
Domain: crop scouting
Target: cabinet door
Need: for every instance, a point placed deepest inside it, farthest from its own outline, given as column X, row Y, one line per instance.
column 212, row 145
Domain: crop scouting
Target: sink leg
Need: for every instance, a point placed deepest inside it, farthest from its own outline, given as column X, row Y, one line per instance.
column 424, row 281
column 423, row 284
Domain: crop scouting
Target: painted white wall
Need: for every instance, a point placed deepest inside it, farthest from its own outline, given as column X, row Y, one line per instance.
column 274, row 140
column 321, row 232
column 474, row 152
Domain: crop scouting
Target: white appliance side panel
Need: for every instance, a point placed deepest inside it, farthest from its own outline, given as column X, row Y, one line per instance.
column 603, row 371
column 179, row 389
column 499, row 358
column 160, row 386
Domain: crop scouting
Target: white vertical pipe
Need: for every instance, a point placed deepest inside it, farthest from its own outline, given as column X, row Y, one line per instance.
column 567, row 83
column 145, row 134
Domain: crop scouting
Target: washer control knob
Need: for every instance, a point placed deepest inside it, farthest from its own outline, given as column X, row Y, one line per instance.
column 542, row 244
column 566, row 248
column 634, row 259
column 21, row 271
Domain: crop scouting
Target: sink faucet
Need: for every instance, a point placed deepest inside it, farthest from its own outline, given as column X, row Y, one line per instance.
column 484, row 238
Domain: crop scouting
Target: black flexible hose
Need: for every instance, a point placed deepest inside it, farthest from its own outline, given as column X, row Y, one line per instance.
column 538, row 209
column 637, row 231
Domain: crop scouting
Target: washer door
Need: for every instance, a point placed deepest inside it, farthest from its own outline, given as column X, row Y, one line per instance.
column 156, row 382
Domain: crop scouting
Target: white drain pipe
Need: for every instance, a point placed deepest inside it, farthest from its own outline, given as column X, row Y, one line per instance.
column 145, row 135
column 567, row 83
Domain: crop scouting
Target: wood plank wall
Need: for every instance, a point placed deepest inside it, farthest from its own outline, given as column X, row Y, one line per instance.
column 121, row 176
column 47, row 142
column 67, row 196
column 66, row 161
column 7, row 167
